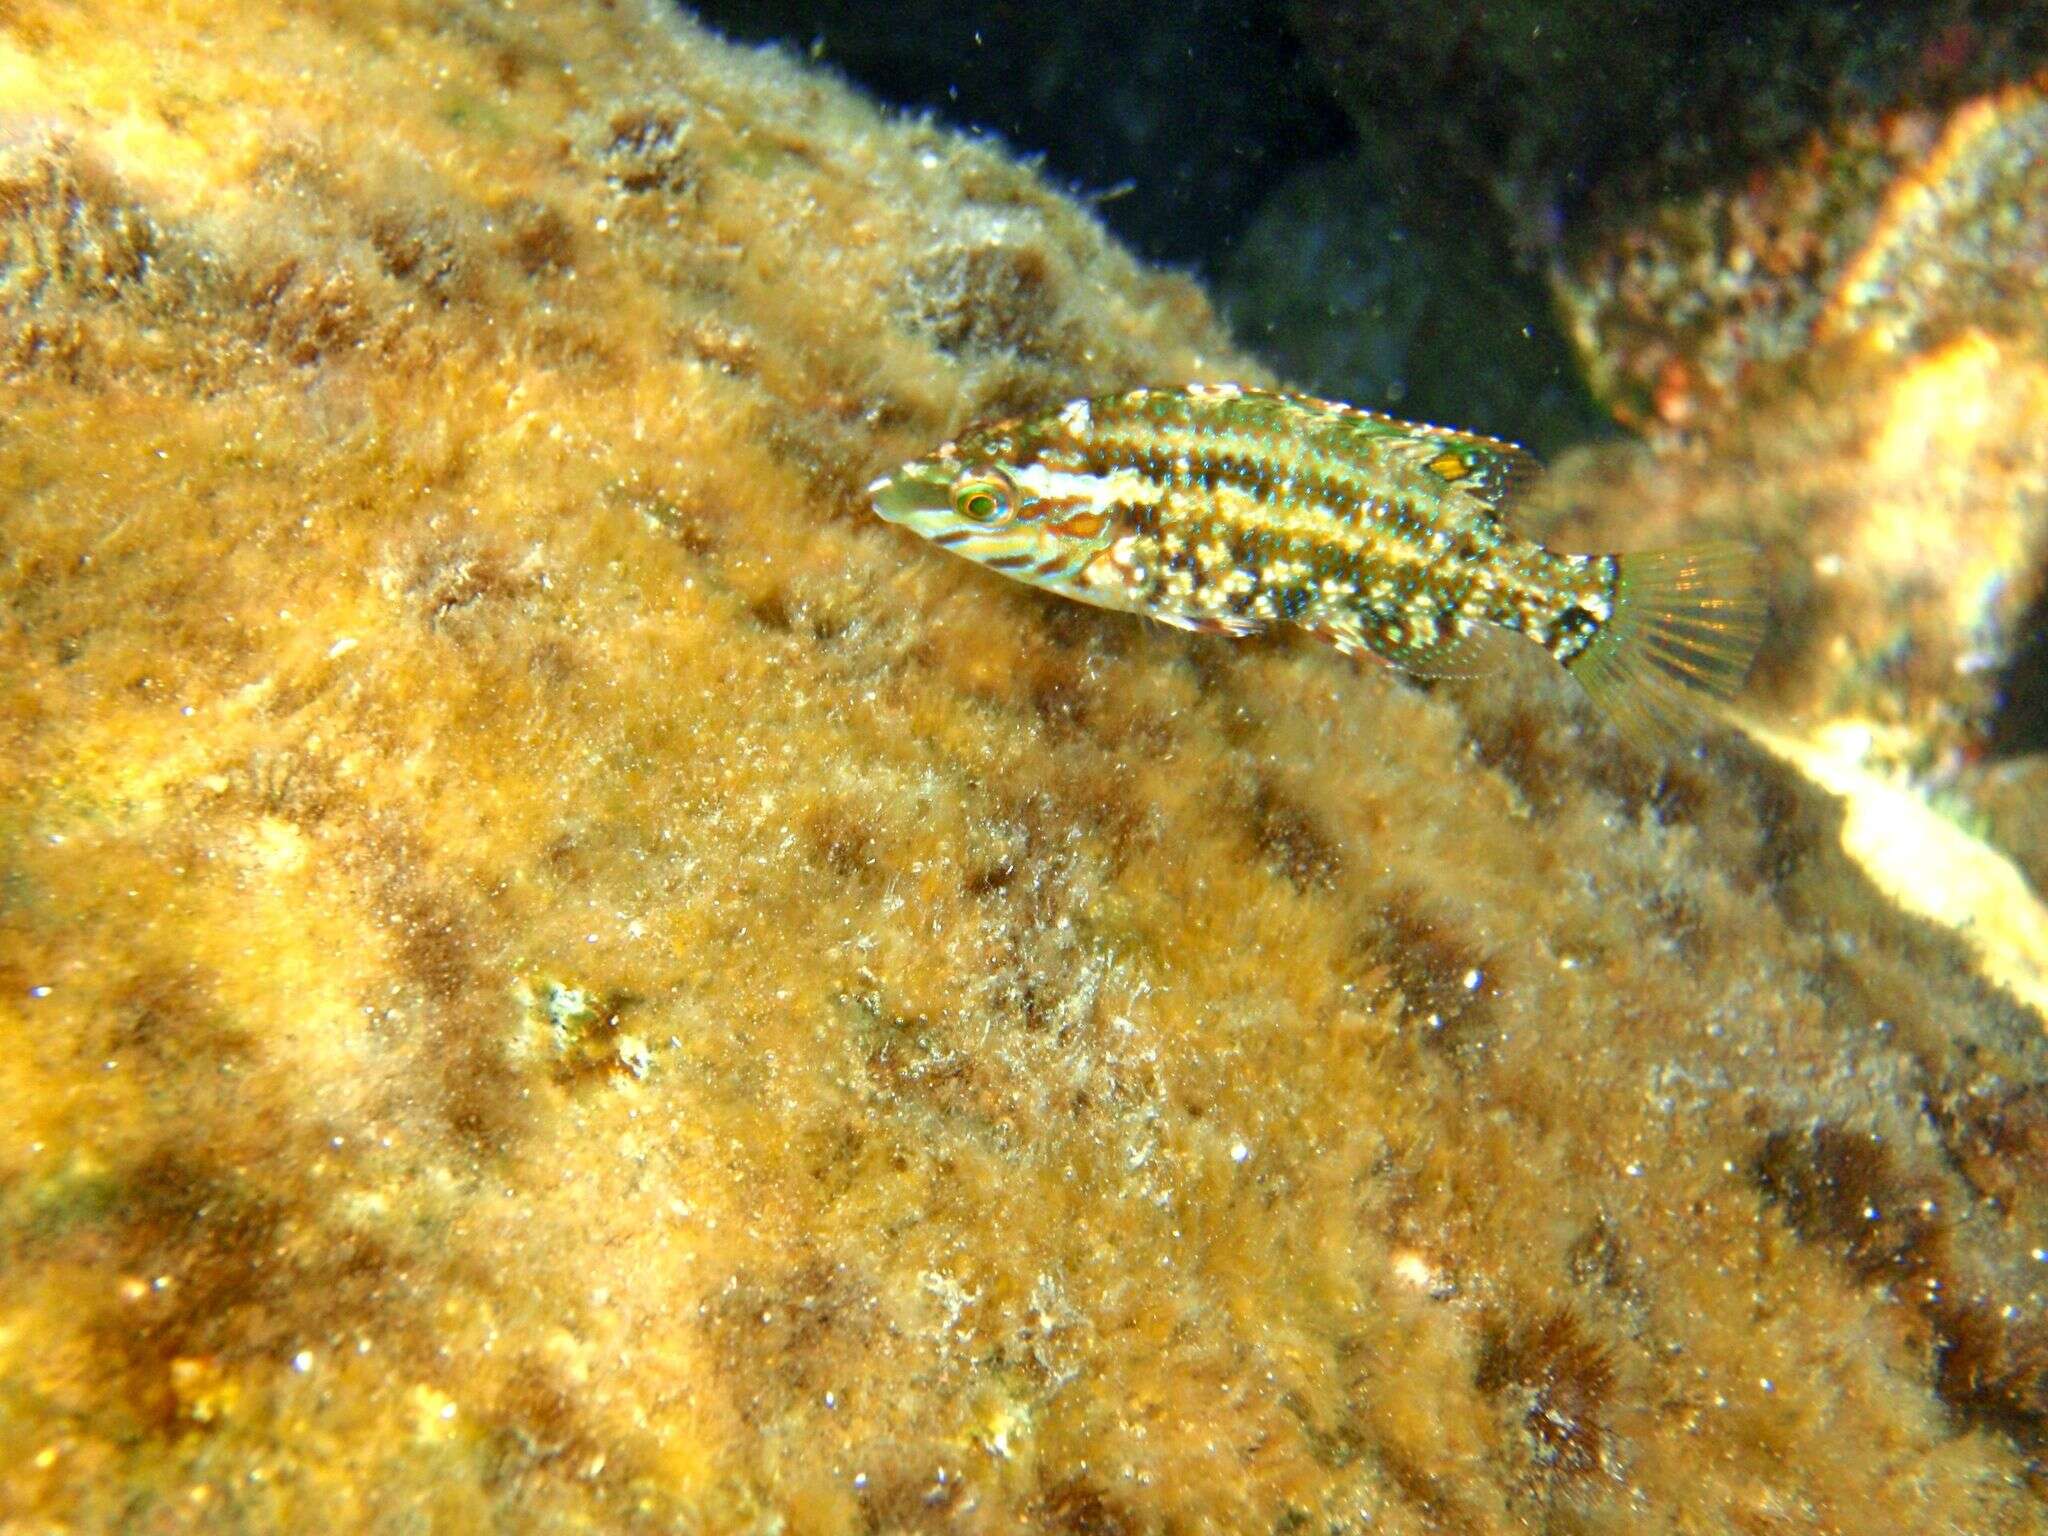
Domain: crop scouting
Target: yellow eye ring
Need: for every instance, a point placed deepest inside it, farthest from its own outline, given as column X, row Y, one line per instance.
column 981, row 501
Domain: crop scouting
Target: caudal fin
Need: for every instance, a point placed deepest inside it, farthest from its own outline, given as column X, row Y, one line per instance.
column 1685, row 627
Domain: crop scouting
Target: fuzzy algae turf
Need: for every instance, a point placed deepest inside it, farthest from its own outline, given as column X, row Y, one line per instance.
column 554, row 974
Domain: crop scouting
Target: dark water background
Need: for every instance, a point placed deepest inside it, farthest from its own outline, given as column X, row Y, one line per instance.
column 1374, row 190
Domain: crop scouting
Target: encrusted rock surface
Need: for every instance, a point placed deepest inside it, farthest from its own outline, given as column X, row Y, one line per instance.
column 555, row 974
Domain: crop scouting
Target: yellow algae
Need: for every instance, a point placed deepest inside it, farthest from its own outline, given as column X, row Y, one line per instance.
column 556, row 974
column 1963, row 202
column 1903, row 502
column 1930, row 866
column 1950, row 412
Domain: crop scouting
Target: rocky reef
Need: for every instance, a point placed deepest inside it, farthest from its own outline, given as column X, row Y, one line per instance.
column 555, row 974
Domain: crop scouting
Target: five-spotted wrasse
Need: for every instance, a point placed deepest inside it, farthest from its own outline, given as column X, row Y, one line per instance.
column 1231, row 510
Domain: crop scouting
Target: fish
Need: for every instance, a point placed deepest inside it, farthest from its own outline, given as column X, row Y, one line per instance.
column 1232, row 510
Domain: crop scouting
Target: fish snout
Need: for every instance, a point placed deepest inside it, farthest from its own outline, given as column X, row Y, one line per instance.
column 912, row 496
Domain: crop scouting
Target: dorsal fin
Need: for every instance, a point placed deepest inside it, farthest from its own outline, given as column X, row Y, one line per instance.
column 1494, row 473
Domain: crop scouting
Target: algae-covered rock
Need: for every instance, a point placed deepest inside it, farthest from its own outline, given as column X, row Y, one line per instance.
column 556, row 974
column 1901, row 497
column 1896, row 230
column 1683, row 179
column 1903, row 502
column 1851, row 348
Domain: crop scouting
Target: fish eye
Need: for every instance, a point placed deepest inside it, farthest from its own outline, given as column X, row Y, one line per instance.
column 981, row 500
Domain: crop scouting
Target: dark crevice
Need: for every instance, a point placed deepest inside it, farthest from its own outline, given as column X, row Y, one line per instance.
column 2020, row 727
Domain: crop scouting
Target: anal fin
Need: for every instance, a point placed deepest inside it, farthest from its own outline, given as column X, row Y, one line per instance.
column 1466, row 651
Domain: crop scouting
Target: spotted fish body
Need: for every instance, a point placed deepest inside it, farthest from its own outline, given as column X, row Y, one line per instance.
column 1232, row 510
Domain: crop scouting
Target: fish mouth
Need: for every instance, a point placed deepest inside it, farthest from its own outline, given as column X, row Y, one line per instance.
column 911, row 495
